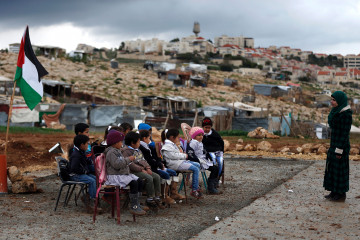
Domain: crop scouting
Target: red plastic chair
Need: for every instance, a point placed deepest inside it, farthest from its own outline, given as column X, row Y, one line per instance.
column 114, row 191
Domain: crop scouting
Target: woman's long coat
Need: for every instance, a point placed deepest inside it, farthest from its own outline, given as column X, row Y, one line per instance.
column 336, row 177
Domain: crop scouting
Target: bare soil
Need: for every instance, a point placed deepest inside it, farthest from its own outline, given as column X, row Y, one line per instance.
column 32, row 216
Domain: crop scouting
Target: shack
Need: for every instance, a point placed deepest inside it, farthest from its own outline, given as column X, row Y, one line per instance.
column 172, row 110
column 271, row 90
column 57, row 89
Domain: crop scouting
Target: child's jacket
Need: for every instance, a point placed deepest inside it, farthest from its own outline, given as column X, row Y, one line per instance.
column 139, row 163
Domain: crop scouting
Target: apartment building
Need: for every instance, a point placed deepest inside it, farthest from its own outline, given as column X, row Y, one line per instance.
column 242, row 42
column 352, row 61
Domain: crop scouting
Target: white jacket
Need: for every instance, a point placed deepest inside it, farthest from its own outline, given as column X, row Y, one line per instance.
column 172, row 155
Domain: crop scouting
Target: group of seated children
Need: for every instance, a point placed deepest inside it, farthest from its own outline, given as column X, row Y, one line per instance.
column 132, row 160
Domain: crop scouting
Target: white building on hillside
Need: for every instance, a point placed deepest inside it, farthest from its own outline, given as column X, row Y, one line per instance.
column 242, row 42
column 352, row 61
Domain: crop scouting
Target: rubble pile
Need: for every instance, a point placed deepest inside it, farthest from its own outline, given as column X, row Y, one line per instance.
column 20, row 183
column 260, row 132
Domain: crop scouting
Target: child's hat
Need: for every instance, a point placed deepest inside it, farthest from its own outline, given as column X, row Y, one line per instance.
column 207, row 121
column 196, row 131
column 114, row 137
column 144, row 126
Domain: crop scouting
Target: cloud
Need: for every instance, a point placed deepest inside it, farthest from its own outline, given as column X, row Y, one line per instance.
column 309, row 24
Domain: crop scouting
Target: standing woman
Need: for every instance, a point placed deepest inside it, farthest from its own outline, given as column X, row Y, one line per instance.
column 336, row 177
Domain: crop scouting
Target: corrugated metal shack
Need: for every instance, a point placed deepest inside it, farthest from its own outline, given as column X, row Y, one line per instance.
column 174, row 110
column 271, row 90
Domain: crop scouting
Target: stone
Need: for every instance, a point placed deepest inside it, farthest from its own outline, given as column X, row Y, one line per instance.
column 285, row 149
column 321, row 150
column 354, row 151
column 271, row 136
column 226, row 145
column 239, row 147
column 26, row 185
column 252, row 134
column 240, row 141
column 249, row 147
column 14, row 174
column 264, row 146
column 299, row 150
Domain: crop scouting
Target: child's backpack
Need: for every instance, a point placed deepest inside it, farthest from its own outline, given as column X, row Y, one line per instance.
column 100, row 170
column 64, row 169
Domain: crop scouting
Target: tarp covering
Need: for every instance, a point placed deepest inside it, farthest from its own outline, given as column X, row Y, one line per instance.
column 249, row 124
column 105, row 115
column 73, row 114
column 21, row 113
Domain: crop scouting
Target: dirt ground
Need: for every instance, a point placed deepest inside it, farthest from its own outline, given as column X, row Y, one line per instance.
column 32, row 216
column 29, row 152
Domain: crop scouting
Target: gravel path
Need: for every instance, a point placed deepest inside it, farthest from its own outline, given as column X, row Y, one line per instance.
column 296, row 209
column 31, row 216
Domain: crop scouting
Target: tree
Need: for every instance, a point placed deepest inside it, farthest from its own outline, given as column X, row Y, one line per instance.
column 175, row 40
column 122, row 45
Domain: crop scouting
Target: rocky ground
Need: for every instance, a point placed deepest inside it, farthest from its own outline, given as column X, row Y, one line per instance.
column 125, row 84
column 296, row 209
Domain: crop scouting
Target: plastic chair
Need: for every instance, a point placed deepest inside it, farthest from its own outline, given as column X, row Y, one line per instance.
column 114, row 191
column 71, row 186
column 184, row 175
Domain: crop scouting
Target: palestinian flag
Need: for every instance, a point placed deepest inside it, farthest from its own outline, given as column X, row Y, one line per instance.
column 28, row 73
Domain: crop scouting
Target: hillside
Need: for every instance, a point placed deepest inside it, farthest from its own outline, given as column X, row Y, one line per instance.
column 130, row 80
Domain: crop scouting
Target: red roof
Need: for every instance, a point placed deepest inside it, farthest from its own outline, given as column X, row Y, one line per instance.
column 341, row 74
column 256, row 55
column 231, row 46
column 329, row 67
column 323, row 73
column 343, row 69
column 200, row 38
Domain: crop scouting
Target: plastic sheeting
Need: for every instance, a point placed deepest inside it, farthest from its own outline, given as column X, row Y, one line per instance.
column 73, row 114
column 21, row 114
column 105, row 115
column 249, row 124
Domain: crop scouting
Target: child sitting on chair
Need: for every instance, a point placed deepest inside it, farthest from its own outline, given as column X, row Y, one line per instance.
column 196, row 153
column 142, row 169
column 79, row 168
column 118, row 171
column 213, row 144
column 176, row 159
column 158, row 167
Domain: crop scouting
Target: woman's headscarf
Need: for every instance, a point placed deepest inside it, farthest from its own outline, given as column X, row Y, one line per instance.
column 341, row 100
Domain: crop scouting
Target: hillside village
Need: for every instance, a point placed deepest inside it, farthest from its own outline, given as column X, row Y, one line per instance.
column 298, row 82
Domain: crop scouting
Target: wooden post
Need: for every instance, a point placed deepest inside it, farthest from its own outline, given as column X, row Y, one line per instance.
column 9, row 117
column 195, row 119
column 287, row 124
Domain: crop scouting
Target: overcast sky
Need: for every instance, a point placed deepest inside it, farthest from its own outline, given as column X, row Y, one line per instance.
column 322, row 26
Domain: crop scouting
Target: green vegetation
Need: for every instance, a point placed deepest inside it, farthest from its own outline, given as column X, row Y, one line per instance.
column 129, row 60
column 328, row 61
column 141, row 85
column 233, row 133
column 32, row 130
column 213, row 67
column 175, row 40
column 103, row 67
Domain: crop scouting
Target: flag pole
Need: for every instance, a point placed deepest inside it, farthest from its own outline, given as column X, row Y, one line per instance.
column 9, row 117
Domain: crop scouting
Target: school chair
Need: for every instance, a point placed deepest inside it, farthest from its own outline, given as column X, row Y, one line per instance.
column 62, row 165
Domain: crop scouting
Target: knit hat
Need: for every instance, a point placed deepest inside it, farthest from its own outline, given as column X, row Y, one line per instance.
column 196, row 131
column 114, row 137
column 207, row 121
column 144, row 126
